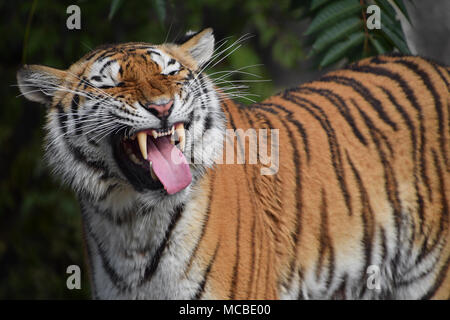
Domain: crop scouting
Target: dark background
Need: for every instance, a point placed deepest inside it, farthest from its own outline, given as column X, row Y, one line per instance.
column 40, row 234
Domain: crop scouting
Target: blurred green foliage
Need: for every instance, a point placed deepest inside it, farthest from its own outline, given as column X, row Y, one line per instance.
column 40, row 227
column 340, row 30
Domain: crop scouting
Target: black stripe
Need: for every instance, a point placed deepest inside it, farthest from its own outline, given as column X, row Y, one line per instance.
column 139, row 47
column 438, row 71
column 154, row 52
column 405, row 117
column 153, row 265
column 390, row 185
column 89, row 252
column 438, row 281
column 411, row 97
column 413, row 135
column 363, row 92
column 208, row 123
column 201, row 289
column 426, row 248
column 114, row 277
column 97, row 165
column 234, row 277
column 62, row 118
column 108, row 191
column 245, row 112
column 341, row 291
column 253, row 253
column 230, row 117
column 384, row 247
column 367, row 221
column 300, row 295
column 105, row 87
column 202, row 85
column 437, row 102
column 96, row 78
column 445, row 211
column 332, row 143
column 338, row 102
column 185, row 38
column 325, row 244
column 298, row 185
column 290, row 119
column 75, row 107
column 107, row 54
column 403, row 282
column 117, row 220
column 204, row 227
column 106, row 65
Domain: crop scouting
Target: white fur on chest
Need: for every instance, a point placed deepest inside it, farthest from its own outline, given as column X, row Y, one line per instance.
column 122, row 250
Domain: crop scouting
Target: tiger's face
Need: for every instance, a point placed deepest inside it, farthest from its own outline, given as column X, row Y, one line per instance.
column 132, row 114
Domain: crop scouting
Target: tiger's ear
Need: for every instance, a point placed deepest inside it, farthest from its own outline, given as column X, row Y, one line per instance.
column 38, row 83
column 200, row 45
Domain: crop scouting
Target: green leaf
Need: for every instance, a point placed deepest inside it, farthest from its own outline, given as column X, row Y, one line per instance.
column 160, row 7
column 397, row 41
column 317, row 3
column 393, row 24
column 332, row 13
column 401, row 6
column 340, row 49
column 115, row 4
column 386, row 9
column 379, row 46
column 335, row 33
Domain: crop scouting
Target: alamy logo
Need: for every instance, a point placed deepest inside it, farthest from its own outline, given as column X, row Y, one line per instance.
column 74, row 280
column 374, row 20
column 74, row 20
column 374, row 278
column 251, row 146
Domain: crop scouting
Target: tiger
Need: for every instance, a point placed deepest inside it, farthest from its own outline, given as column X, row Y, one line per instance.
column 357, row 208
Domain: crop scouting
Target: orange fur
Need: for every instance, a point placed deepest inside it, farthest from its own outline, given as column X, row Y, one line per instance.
column 269, row 227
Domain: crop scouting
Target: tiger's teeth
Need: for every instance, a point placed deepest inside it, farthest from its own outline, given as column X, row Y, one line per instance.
column 172, row 138
column 142, row 141
column 152, row 173
column 154, row 134
column 181, row 134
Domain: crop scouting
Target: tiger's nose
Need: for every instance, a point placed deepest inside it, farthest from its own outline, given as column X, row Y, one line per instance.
column 160, row 110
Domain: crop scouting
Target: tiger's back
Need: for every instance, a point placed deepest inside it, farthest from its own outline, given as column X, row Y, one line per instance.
column 360, row 205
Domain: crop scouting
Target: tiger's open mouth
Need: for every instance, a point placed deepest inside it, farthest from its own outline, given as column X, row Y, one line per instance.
column 154, row 159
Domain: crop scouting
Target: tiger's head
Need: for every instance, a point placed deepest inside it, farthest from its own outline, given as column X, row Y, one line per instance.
column 131, row 116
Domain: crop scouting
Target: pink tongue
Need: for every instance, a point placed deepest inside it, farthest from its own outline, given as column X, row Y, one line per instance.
column 169, row 164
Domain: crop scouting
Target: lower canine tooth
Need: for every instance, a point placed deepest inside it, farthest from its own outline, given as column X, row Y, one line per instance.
column 152, row 173
column 181, row 134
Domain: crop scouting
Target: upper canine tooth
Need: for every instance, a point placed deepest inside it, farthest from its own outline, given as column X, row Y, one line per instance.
column 142, row 141
column 179, row 129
